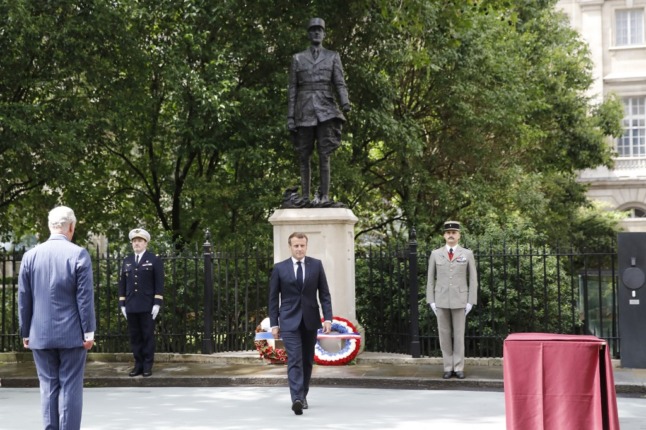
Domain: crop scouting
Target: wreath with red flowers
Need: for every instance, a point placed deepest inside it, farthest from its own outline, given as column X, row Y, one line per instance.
column 268, row 352
column 271, row 354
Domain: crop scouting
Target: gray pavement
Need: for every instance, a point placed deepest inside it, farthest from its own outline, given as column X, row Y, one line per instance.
column 372, row 370
column 268, row 408
column 240, row 391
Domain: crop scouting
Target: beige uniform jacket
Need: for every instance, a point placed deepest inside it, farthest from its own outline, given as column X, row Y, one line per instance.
column 452, row 283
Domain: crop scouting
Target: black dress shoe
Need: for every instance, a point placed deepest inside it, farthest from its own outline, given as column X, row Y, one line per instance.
column 135, row 372
column 459, row 375
column 297, row 407
column 447, row 375
column 305, row 404
column 147, row 373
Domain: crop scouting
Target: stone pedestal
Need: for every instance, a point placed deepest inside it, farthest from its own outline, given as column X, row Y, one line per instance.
column 330, row 233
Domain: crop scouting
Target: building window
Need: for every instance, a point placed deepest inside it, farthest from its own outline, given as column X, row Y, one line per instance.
column 636, row 213
column 633, row 142
column 629, row 27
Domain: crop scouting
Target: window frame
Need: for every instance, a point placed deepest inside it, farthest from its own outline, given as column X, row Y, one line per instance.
column 628, row 31
column 632, row 144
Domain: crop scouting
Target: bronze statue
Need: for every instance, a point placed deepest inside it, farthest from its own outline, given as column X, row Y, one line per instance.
column 313, row 114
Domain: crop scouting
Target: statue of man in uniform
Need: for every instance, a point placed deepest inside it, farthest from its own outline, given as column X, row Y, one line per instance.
column 312, row 112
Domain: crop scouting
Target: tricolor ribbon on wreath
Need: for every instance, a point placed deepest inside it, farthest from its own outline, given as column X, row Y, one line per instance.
column 263, row 335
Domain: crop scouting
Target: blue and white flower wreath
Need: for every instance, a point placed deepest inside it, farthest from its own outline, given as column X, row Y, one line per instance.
column 342, row 329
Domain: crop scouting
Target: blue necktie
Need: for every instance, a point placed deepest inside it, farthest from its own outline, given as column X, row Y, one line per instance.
column 299, row 275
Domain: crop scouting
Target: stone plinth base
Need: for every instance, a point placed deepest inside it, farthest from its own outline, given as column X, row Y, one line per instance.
column 330, row 233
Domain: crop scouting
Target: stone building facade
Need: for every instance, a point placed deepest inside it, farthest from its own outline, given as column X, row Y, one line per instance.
column 614, row 30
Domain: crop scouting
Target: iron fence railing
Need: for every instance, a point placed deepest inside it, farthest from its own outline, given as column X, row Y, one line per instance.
column 214, row 300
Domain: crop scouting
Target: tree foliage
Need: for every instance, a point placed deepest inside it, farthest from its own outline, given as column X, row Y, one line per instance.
column 171, row 115
column 487, row 115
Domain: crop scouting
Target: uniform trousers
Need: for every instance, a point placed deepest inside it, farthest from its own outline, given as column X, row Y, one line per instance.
column 450, row 324
column 60, row 372
column 141, row 327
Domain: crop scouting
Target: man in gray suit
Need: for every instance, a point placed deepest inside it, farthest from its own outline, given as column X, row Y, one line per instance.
column 451, row 291
column 312, row 113
column 57, row 322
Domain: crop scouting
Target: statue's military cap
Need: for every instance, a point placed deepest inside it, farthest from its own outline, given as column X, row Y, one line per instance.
column 316, row 22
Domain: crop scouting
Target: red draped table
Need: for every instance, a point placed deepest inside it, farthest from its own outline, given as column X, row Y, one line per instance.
column 555, row 381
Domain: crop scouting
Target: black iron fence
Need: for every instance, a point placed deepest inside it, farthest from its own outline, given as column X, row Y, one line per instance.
column 522, row 288
column 208, row 311
column 214, row 300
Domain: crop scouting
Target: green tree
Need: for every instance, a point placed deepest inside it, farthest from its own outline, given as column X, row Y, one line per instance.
column 171, row 121
column 171, row 115
column 189, row 143
column 467, row 107
column 51, row 53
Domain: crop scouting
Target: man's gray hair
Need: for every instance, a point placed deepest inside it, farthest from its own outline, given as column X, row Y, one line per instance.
column 60, row 217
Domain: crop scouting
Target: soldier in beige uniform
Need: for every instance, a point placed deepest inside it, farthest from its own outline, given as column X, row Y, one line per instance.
column 451, row 291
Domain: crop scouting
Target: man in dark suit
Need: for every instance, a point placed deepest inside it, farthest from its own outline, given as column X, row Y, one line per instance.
column 312, row 113
column 57, row 320
column 141, row 289
column 295, row 289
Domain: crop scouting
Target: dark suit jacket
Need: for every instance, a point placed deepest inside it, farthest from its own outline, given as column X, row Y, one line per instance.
column 310, row 92
column 288, row 306
column 56, row 294
column 142, row 286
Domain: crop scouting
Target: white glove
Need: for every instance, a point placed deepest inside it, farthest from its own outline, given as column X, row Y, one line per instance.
column 123, row 311
column 468, row 308
column 434, row 308
column 155, row 311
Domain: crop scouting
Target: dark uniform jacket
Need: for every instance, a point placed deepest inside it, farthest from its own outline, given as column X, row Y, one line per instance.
column 141, row 286
column 311, row 88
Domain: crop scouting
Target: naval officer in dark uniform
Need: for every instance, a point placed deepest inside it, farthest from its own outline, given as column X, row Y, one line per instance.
column 312, row 112
column 141, row 288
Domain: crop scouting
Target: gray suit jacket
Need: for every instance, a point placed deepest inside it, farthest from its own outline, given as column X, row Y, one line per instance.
column 452, row 283
column 311, row 88
column 56, row 294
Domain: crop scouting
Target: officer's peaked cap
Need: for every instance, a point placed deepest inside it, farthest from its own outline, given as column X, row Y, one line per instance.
column 451, row 225
column 139, row 232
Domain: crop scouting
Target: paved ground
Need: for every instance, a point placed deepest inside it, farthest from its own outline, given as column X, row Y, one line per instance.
column 240, row 391
column 373, row 370
column 267, row 408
